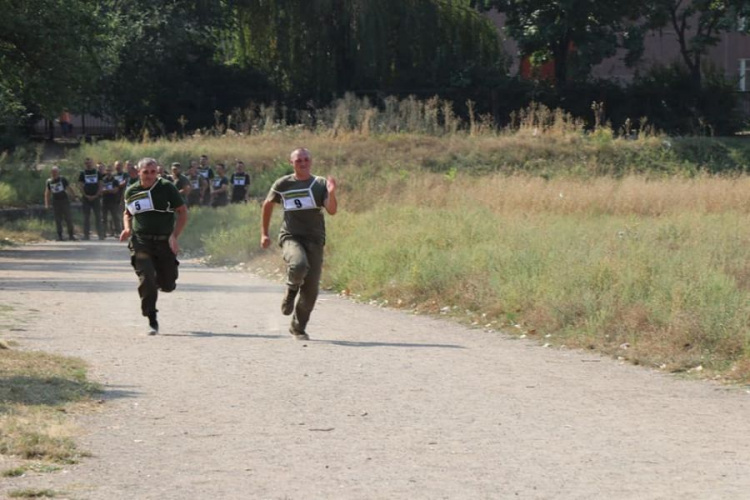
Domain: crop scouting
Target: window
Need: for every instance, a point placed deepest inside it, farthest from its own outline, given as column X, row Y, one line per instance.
column 744, row 81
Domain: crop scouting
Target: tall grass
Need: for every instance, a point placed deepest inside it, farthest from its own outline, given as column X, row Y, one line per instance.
column 652, row 270
column 675, row 288
column 226, row 235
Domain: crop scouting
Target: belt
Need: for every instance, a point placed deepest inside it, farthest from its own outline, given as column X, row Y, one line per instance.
column 155, row 237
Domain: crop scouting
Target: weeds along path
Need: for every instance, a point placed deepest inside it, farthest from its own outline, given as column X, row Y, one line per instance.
column 380, row 404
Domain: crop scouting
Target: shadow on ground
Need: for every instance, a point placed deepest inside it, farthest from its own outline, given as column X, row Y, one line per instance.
column 52, row 391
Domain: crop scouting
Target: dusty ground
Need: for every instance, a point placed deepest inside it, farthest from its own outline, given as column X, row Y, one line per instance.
column 224, row 404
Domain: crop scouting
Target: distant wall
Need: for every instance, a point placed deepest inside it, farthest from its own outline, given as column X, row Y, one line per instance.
column 83, row 125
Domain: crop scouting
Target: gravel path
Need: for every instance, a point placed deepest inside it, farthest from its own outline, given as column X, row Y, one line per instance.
column 380, row 404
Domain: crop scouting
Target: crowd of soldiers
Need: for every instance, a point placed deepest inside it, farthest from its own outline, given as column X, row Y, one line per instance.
column 101, row 189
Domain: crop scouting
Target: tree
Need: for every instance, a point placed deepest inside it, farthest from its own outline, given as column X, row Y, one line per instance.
column 698, row 25
column 321, row 48
column 558, row 29
column 171, row 66
column 52, row 53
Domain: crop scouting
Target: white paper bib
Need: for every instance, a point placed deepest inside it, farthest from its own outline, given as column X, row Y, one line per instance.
column 298, row 199
column 239, row 181
column 57, row 187
column 91, row 178
column 142, row 204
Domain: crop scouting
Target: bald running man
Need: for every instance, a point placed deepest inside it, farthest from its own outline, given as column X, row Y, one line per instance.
column 302, row 236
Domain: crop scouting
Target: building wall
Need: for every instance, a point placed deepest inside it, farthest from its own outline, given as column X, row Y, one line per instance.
column 661, row 48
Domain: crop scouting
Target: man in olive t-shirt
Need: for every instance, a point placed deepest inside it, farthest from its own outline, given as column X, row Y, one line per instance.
column 56, row 188
column 302, row 236
column 240, row 182
column 90, row 182
column 181, row 182
column 149, row 223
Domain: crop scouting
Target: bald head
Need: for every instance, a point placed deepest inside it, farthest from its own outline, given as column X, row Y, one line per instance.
column 301, row 161
column 300, row 151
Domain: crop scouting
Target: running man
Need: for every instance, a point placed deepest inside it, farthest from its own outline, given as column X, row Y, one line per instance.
column 149, row 225
column 302, row 236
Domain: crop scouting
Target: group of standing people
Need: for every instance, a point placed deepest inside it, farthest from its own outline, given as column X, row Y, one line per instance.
column 206, row 186
column 102, row 189
column 154, row 208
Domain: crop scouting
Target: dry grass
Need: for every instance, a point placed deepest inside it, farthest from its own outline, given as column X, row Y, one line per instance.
column 37, row 392
column 514, row 195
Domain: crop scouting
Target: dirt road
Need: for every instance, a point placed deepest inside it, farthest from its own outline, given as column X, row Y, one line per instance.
column 225, row 404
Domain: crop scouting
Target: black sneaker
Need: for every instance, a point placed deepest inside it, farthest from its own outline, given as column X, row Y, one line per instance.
column 298, row 335
column 153, row 324
column 287, row 304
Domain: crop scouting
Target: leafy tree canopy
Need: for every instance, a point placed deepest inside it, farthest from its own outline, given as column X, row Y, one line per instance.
column 698, row 25
column 321, row 48
column 576, row 34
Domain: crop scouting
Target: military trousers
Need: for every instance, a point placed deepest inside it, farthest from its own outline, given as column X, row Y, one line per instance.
column 61, row 210
column 304, row 263
column 111, row 210
column 156, row 267
column 89, row 206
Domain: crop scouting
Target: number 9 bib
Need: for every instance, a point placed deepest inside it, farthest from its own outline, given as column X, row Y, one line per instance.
column 299, row 200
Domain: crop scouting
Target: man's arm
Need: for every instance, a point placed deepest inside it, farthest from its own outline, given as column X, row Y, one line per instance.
column 186, row 187
column 46, row 196
column 127, row 219
column 182, row 216
column 330, row 203
column 266, row 213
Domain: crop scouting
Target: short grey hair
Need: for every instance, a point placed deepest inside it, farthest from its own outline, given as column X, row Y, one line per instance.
column 146, row 161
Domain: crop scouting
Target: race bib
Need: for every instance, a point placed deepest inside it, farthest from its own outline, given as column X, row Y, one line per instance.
column 203, row 173
column 143, row 203
column 298, row 200
column 108, row 186
column 239, row 181
column 90, row 178
column 57, row 188
column 195, row 184
column 217, row 183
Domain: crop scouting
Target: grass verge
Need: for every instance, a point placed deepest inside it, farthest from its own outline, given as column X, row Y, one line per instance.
column 37, row 393
column 651, row 271
column 25, row 231
column 33, row 493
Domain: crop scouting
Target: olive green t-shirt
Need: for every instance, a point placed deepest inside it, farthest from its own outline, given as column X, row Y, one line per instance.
column 153, row 209
column 302, row 202
column 57, row 187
